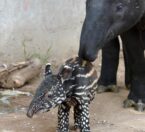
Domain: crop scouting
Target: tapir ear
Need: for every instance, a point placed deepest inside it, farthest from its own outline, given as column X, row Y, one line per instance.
column 65, row 72
column 48, row 69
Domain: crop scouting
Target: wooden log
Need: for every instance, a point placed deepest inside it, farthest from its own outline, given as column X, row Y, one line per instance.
column 5, row 69
column 23, row 75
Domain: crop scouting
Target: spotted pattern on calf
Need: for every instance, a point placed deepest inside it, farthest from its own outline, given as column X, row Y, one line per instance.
column 79, row 80
column 74, row 85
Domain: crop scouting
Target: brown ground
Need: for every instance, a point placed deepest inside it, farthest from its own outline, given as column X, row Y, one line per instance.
column 106, row 113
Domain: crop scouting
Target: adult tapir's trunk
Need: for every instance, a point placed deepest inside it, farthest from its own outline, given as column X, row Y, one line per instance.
column 94, row 30
column 105, row 19
column 92, row 39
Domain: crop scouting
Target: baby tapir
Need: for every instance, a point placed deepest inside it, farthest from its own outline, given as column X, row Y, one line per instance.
column 74, row 85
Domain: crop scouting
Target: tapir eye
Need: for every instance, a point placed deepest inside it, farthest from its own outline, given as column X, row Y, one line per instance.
column 119, row 7
column 48, row 94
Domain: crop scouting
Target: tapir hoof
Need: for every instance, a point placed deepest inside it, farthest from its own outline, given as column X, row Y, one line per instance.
column 111, row 88
column 139, row 106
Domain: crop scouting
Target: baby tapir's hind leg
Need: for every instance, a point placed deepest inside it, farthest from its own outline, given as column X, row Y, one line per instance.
column 77, row 117
column 82, row 117
column 63, row 118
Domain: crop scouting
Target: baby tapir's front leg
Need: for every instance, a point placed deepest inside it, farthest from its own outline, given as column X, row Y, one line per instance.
column 63, row 118
column 82, row 117
column 77, row 117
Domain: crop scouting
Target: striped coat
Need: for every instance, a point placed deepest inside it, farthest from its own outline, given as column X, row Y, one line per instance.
column 74, row 85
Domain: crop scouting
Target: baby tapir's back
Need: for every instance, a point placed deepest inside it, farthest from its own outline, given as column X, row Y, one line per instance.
column 80, row 79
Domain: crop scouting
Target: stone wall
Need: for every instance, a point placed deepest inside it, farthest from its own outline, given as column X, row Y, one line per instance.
column 44, row 28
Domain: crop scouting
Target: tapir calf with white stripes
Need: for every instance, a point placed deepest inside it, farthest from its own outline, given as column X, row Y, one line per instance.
column 74, row 85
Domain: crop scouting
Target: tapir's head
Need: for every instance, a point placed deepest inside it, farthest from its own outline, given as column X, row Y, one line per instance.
column 105, row 19
column 49, row 94
column 53, row 89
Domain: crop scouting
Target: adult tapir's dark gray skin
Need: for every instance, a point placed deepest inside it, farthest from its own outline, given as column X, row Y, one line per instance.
column 104, row 21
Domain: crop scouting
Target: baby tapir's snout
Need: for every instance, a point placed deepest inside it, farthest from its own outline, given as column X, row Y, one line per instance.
column 30, row 112
column 39, row 103
column 48, row 95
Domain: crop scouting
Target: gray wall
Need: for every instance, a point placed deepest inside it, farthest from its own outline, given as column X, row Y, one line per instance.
column 31, row 27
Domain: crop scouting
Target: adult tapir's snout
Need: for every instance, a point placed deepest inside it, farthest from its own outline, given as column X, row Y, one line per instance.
column 94, row 30
column 87, row 54
column 92, row 39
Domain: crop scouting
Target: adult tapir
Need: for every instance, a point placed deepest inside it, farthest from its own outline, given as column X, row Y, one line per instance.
column 104, row 21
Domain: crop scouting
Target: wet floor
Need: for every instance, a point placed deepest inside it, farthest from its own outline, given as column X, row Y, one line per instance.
column 9, row 101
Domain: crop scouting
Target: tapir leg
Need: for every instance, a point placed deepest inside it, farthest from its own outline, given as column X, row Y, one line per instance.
column 63, row 118
column 134, row 47
column 84, row 117
column 110, row 61
column 77, row 117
